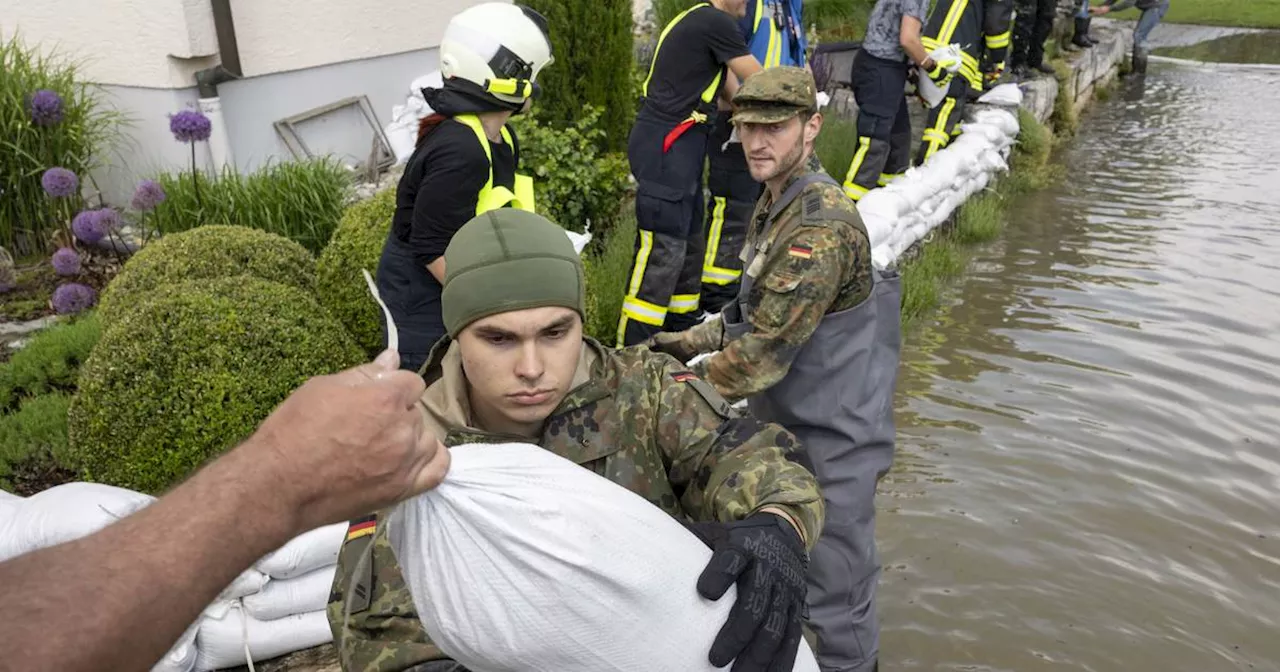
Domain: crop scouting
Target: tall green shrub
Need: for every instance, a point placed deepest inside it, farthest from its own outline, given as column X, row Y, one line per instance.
column 191, row 373
column 576, row 184
column 592, row 45
column 73, row 139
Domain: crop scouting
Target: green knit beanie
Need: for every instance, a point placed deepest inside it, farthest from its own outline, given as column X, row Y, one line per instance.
column 509, row 259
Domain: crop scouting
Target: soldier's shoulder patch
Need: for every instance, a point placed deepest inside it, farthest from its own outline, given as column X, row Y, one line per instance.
column 800, row 251
column 362, row 526
column 718, row 403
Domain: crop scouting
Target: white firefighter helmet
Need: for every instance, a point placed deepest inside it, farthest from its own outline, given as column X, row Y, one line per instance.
column 498, row 46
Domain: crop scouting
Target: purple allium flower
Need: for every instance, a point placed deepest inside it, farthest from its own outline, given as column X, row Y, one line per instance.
column 66, row 261
column 73, row 297
column 59, row 182
column 45, row 107
column 87, row 226
column 190, row 126
column 108, row 220
column 147, row 196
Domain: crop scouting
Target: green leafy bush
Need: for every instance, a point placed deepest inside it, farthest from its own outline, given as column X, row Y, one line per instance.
column 575, row 184
column 356, row 245
column 592, row 44
column 181, row 378
column 206, row 253
column 84, row 129
column 300, row 200
column 608, row 268
column 50, row 362
column 33, row 442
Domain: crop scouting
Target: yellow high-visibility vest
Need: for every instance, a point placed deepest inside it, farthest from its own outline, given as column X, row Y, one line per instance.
column 493, row 197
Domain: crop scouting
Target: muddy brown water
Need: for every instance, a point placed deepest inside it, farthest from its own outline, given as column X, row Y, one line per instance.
column 1088, row 467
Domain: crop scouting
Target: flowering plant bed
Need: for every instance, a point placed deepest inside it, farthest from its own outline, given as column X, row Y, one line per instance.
column 42, row 291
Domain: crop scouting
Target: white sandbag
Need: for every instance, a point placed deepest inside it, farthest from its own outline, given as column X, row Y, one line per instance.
column 1004, row 94
column 522, row 561
column 181, row 657
column 309, row 592
column 306, row 552
column 63, row 513
column 221, row 641
column 431, row 80
column 249, row 582
column 6, row 496
column 579, row 240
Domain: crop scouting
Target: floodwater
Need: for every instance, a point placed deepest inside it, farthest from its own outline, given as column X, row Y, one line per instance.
column 1261, row 47
column 1088, row 468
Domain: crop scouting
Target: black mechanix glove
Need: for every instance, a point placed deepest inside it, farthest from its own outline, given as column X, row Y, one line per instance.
column 765, row 557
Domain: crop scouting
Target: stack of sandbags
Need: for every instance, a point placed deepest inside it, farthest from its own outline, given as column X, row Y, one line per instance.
column 67, row 512
column 523, row 560
column 276, row 607
column 905, row 211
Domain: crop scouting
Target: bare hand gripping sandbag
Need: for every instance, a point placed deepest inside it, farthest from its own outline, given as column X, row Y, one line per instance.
column 522, row 561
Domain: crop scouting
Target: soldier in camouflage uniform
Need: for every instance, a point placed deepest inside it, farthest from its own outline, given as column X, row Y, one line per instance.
column 513, row 302
column 812, row 343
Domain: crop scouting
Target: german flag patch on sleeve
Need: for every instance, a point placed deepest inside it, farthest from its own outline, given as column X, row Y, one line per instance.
column 800, row 251
column 361, row 527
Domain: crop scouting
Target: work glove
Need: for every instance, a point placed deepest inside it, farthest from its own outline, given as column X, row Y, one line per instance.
column 940, row 75
column 993, row 75
column 765, row 557
column 671, row 343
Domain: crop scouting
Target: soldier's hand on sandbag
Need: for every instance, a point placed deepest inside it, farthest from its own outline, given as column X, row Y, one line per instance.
column 346, row 444
column 672, row 344
column 765, row 557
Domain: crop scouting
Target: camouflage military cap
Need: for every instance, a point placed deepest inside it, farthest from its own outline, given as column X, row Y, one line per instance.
column 775, row 94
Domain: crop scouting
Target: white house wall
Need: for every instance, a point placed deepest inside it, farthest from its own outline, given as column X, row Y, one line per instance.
column 295, row 54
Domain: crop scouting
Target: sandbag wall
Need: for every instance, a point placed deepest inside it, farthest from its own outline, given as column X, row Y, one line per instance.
column 274, row 608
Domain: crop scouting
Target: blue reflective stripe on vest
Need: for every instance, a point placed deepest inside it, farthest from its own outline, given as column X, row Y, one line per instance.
column 773, row 44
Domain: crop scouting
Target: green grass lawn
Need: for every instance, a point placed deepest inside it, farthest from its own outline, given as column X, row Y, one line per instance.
column 1241, row 13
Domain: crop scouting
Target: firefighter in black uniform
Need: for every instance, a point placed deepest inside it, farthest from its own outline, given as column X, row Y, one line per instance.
column 698, row 55
column 981, row 28
column 774, row 31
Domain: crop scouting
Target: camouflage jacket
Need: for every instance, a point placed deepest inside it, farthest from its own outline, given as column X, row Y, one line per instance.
column 819, row 266
column 634, row 416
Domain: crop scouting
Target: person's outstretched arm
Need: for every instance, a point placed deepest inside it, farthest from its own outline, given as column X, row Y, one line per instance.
column 338, row 447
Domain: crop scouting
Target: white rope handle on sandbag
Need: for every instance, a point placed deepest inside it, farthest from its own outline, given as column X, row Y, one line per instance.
column 393, row 338
column 244, row 632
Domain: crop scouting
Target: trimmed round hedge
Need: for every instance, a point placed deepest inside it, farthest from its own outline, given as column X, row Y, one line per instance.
column 191, row 372
column 205, row 253
column 356, row 245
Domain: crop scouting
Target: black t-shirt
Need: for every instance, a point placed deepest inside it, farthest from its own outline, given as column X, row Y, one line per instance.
column 442, row 183
column 691, row 54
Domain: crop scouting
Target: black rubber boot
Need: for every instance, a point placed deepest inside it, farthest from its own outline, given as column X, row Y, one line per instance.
column 1081, row 38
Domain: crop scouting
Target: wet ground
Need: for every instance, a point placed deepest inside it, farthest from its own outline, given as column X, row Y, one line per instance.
column 1088, row 475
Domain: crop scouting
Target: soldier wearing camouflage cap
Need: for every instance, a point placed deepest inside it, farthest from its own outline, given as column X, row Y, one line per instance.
column 515, row 363
column 812, row 343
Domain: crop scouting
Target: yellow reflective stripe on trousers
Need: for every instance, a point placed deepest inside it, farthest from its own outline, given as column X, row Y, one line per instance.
column 491, row 197
column 683, row 303
column 712, row 274
column 852, row 189
column 936, row 135
column 886, row 178
column 658, row 49
column 997, row 41
column 643, row 311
